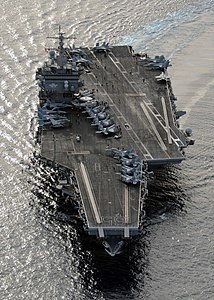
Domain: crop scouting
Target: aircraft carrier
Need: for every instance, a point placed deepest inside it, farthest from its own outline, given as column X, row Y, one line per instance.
column 108, row 116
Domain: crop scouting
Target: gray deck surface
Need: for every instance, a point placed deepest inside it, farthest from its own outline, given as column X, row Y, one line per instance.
column 135, row 98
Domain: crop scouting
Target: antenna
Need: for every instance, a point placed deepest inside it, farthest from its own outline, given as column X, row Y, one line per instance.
column 61, row 35
column 61, row 38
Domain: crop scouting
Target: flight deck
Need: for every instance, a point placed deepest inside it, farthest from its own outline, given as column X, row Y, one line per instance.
column 121, row 121
column 141, row 106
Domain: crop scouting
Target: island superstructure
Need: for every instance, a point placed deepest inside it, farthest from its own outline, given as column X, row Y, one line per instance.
column 109, row 116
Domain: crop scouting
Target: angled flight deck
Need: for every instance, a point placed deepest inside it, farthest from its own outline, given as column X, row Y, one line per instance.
column 141, row 104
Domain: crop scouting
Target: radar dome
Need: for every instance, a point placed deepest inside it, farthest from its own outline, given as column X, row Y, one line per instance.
column 52, row 54
column 188, row 131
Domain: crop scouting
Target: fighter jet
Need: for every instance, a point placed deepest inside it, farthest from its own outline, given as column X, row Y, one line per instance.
column 102, row 115
column 84, row 101
column 53, row 121
column 173, row 98
column 108, row 121
column 158, row 58
column 98, row 109
column 136, row 178
column 104, row 47
column 58, row 122
column 162, row 76
column 79, row 56
column 92, row 110
column 157, row 64
column 133, row 162
column 85, row 98
column 83, row 104
column 127, row 170
column 88, row 108
column 180, row 114
column 81, row 60
column 53, row 111
column 123, row 153
column 102, row 129
column 97, row 112
column 86, row 93
column 50, row 118
column 113, row 129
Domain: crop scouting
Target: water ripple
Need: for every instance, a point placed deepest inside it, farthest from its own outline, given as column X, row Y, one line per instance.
column 43, row 251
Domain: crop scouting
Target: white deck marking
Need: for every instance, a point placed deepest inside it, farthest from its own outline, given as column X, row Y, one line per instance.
column 76, row 153
column 166, row 120
column 147, row 103
column 101, row 232
column 97, row 167
column 163, row 146
column 176, row 139
column 131, row 132
column 126, row 232
column 126, row 204
column 90, row 193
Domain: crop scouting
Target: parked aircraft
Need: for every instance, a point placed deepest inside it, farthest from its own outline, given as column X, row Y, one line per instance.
column 134, row 179
column 160, row 63
column 53, row 111
column 104, row 47
column 162, row 76
column 108, row 121
column 98, row 112
column 81, row 60
column 180, row 114
column 108, row 130
column 113, row 128
column 105, row 122
column 127, row 170
column 53, row 121
column 121, row 152
column 52, row 117
column 130, row 161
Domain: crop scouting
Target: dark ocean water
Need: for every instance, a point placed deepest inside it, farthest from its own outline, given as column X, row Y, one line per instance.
column 44, row 253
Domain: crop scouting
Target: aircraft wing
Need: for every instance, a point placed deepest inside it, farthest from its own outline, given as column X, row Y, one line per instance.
column 57, row 123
